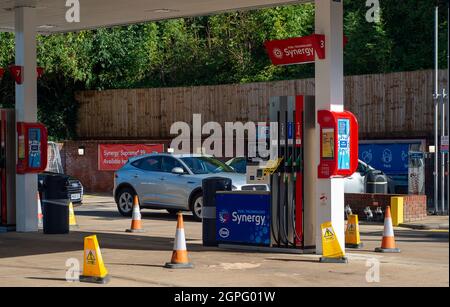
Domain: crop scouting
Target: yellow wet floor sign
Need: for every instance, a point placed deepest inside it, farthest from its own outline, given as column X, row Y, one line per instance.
column 331, row 249
column 94, row 269
column 352, row 236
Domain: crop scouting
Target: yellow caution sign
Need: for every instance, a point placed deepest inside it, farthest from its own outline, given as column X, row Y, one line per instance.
column 352, row 236
column 94, row 269
column 72, row 218
column 331, row 249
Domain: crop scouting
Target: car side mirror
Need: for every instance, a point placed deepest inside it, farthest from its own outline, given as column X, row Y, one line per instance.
column 177, row 171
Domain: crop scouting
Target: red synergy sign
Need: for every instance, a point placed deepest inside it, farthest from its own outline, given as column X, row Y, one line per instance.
column 111, row 157
column 296, row 50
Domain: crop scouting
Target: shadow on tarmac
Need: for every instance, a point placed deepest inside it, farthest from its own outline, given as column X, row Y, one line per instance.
column 28, row 244
column 113, row 215
column 412, row 236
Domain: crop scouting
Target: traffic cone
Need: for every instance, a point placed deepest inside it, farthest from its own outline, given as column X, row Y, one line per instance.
column 352, row 236
column 94, row 270
column 388, row 243
column 72, row 218
column 179, row 256
column 136, row 223
column 40, row 215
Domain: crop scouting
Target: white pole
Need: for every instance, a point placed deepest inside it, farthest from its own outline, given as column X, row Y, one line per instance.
column 26, row 111
column 443, row 97
column 329, row 92
column 436, row 113
column 448, row 105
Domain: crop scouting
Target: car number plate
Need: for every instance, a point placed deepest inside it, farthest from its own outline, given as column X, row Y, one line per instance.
column 75, row 196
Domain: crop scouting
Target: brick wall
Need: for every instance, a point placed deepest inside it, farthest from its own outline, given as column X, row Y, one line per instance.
column 85, row 168
column 414, row 206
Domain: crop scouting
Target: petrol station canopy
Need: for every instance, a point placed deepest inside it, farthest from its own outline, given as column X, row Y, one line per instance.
column 50, row 14
column 28, row 17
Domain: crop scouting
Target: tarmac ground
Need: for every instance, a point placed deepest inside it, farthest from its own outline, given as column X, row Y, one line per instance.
column 35, row 259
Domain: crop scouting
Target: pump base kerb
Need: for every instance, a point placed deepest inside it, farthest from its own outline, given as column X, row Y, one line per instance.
column 333, row 260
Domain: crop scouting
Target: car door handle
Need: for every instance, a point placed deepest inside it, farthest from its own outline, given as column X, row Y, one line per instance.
column 162, row 179
column 191, row 182
column 136, row 176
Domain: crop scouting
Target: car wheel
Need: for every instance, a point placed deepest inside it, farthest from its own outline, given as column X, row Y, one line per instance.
column 125, row 201
column 197, row 207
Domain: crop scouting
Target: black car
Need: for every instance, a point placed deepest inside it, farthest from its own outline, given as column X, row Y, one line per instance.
column 74, row 186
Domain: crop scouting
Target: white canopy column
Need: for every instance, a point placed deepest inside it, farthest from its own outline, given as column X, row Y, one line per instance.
column 329, row 82
column 26, row 111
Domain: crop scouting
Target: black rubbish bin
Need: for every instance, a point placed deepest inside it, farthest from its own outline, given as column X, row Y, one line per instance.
column 210, row 186
column 376, row 182
column 55, row 205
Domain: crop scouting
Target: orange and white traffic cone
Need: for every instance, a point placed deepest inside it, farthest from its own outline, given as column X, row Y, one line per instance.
column 136, row 222
column 40, row 216
column 388, row 243
column 180, row 255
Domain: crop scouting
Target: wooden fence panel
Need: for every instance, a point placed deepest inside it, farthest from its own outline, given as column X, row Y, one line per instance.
column 386, row 105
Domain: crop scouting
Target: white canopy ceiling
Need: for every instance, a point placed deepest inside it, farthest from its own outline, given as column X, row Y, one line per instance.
column 103, row 13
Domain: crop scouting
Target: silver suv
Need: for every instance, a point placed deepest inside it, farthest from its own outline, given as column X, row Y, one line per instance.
column 171, row 182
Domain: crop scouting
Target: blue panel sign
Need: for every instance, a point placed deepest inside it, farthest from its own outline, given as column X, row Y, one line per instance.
column 34, row 149
column 343, row 144
column 391, row 158
column 243, row 218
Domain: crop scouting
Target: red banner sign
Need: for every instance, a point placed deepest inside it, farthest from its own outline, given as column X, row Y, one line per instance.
column 111, row 157
column 40, row 72
column 16, row 72
column 296, row 50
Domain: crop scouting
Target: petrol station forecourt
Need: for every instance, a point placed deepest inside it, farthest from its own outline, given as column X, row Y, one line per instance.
column 326, row 147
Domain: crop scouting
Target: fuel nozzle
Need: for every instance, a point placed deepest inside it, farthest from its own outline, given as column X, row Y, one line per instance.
column 288, row 168
column 298, row 164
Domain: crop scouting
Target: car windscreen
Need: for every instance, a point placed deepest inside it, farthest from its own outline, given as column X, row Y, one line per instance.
column 206, row 165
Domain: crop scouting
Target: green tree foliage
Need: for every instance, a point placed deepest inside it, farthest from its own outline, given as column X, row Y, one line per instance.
column 224, row 48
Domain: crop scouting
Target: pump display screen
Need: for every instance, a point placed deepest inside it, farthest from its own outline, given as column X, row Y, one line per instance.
column 34, row 148
column 344, row 144
column 328, row 143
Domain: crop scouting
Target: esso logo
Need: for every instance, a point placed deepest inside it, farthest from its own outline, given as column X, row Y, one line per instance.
column 224, row 233
column 277, row 53
column 224, row 216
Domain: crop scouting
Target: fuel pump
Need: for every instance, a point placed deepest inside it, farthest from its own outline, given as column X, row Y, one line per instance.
column 7, row 168
column 287, row 181
column 29, row 140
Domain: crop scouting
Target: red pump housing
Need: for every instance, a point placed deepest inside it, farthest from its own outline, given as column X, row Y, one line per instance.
column 31, row 148
column 338, row 144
